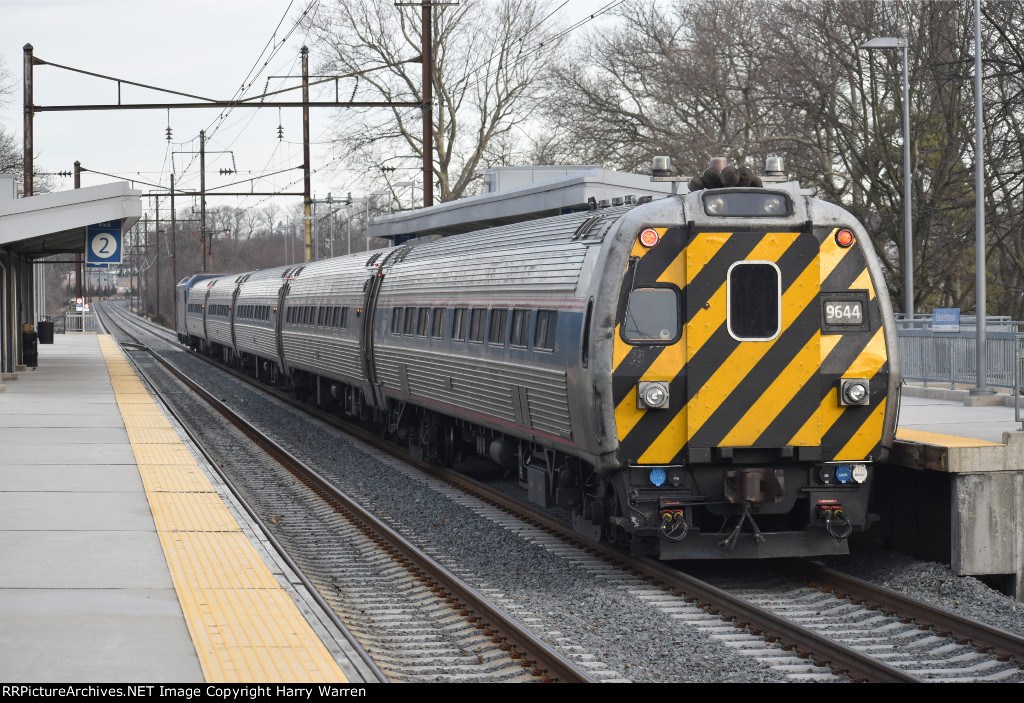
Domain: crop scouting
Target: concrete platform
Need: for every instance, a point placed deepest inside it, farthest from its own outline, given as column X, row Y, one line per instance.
column 86, row 591
column 979, row 497
column 951, row 417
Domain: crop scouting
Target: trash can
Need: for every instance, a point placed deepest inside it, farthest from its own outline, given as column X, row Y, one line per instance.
column 29, row 350
column 46, row 331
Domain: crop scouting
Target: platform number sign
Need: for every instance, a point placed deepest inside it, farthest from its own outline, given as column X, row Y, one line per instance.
column 103, row 243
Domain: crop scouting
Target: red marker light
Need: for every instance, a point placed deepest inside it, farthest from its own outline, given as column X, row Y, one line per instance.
column 649, row 238
column 844, row 238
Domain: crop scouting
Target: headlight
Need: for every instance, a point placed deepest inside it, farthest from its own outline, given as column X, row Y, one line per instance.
column 652, row 395
column 853, row 391
column 715, row 205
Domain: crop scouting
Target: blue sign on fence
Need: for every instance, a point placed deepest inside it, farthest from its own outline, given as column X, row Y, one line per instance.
column 945, row 319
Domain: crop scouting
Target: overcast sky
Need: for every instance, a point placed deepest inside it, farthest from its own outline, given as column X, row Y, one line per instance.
column 201, row 47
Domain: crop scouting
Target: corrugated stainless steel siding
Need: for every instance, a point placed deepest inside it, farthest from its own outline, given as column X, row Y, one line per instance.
column 219, row 330
column 328, row 356
column 254, row 339
column 534, row 259
column 478, row 385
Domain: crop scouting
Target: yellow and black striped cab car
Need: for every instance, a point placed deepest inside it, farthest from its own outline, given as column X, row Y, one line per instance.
column 705, row 375
column 751, row 384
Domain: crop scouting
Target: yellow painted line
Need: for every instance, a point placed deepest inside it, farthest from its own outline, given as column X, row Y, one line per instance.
column 244, row 626
column 941, row 440
column 182, row 478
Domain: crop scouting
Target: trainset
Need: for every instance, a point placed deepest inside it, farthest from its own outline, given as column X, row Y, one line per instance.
column 706, row 375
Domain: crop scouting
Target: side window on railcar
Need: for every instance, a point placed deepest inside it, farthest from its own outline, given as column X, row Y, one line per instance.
column 755, row 294
column 496, row 331
column 459, row 324
column 652, row 315
column 544, row 331
column 519, row 335
column 396, row 320
column 477, row 323
column 423, row 326
column 437, row 326
column 410, row 321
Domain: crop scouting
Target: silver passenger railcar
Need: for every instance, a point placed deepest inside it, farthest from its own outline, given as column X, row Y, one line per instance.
column 705, row 375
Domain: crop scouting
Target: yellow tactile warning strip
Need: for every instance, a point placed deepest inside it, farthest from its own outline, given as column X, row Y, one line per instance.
column 244, row 626
column 942, row 440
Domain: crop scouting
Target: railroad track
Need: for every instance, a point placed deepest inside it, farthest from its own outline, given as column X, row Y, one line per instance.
column 748, row 619
column 438, row 628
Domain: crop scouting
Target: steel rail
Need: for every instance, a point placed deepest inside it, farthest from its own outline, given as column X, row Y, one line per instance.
column 984, row 637
column 515, row 637
column 314, row 593
column 719, row 602
column 762, row 622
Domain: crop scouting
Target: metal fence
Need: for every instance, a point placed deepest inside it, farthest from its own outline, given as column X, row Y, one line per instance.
column 80, row 322
column 950, row 358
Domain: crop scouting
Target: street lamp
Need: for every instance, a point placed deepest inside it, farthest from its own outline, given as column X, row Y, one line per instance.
column 908, row 251
column 981, row 300
column 412, row 192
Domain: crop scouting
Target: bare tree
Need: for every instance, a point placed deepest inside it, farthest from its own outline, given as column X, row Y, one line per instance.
column 488, row 57
column 10, row 152
column 683, row 79
column 700, row 78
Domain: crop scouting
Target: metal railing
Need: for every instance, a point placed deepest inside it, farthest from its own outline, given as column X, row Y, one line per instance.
column 80, row 322
column 1018, row 368
column 951, row 358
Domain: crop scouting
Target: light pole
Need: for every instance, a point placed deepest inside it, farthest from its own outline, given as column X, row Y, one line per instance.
column 980, row 294
column 412, row 192
column 284, row 238
column 908, row 247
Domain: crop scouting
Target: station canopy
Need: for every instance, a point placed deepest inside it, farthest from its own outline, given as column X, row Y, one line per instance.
column 56, row 223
